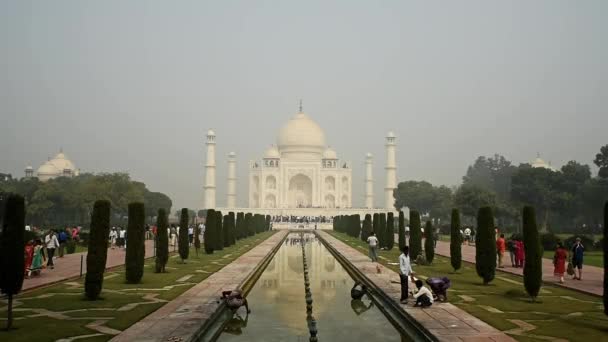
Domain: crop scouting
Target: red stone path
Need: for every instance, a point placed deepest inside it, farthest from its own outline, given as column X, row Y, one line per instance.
column 592, row 282
column 69, row 267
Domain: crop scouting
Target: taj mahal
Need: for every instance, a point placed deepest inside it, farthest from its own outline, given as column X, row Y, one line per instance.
column 300, row 175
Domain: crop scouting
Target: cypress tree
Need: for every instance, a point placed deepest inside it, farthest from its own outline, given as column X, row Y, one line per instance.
column 390, row 231
column 268, row 222
column 219, row 234
column 249, row 224
column 226, row 230
column 183, row 243
column 485, row 246
column 605, row 246
column 240, row 228
column 401, row 230
column 382, row 229
column 209, row 234
column 533, row 268
column 367, row 227
column 162, row 241
column 455, row 241
column 429, row 245
column 98, row 249
column 415, row 235
column 375, row 222
column 134, row 257
column 356, row 226
column 232, row 226
column 12, row 244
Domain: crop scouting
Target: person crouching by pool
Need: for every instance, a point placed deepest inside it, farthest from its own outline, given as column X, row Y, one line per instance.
column 424, row 297
column 234, row 300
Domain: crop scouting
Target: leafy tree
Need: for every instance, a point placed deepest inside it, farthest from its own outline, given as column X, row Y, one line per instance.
column 162, row 241
column 536, row 187
column 219, row 234
column 415, row 235
column 12, row 263
column 367, row 227
column 485, row 245
column 429, row 245
column 401, row 230
column 491, row 173
column 209, row 234
column 601, row 160
column 183, row 243
column 134, row 256
column 455, row 241
column 533, row 268
column 98, row 249
column 390, row 231
column 470, row 197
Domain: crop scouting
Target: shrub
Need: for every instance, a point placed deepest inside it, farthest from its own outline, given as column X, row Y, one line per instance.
column 134, row 256
column 183, row 242
column 485, row 245
column 415, row 234
column 12, row 244
column 367, row 227
column 533, row 268
column 162, row 241
column 219, row 234
column 401, row 230
column 209, row 234
column 549, row 241
column 429, row 244
column 98, row 249
column 390, row 231
column 455, row 241
column 70, row 246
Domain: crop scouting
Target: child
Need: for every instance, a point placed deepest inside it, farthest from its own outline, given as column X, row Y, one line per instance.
column 424, row 297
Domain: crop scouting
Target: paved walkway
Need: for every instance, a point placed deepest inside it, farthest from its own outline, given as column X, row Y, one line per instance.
column 592, row 282
column 69, row 267
column 180, row 319
column 444, row 320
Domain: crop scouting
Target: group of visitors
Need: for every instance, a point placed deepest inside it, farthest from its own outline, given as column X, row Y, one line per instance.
column 39, row 253
column 118, row 237
column 560, row 258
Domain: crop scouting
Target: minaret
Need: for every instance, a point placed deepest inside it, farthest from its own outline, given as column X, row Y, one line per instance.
column 210, row 172
column 391, row 171
column 369, row 182
column 231, row 200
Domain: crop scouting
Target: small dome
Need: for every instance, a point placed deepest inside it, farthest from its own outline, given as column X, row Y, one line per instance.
column 390, row 135
column 301, row 134
column 368, row 155
column 29, row 168
column 272, row 152
column 48, row 169
column 210, row 133
column 232, row 154
column 540, row 163
column 61, row 162
column 330, row 154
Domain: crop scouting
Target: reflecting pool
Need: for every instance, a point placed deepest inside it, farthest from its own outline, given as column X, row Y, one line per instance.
column 278, row 304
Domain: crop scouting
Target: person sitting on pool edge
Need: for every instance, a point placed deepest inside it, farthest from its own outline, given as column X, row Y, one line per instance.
column 234, row 300
column 424, row 297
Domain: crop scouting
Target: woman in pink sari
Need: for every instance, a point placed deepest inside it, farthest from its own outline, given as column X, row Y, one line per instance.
column 520, row 255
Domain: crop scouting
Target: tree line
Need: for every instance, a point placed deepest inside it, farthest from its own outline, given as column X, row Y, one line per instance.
column 564, row 199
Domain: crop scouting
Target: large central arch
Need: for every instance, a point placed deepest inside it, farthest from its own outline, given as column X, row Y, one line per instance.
column 300, row 191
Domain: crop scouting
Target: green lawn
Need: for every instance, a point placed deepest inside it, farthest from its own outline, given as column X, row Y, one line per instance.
column 559, row 312
column 594, row 258
column 66, row 301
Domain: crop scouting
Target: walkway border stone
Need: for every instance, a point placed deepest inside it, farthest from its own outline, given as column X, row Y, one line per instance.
column 182, row 318
column 444, row 320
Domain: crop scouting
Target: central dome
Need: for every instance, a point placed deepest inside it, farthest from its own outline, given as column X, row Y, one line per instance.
column 301, row 135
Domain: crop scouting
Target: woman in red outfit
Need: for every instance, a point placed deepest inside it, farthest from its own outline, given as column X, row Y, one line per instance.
column 520, row 256
column 559, row 261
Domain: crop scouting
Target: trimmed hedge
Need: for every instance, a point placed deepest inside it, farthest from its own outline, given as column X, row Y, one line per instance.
column 401, row 230
column 12, row 244
column 183, row 242
column 485, row 245
column 162, row 241
column 218, row 234
column 97, row 252
column 455, row 241
column 533, row 267
column 366, row 230
column 415, row 235
column 390, row 231
column 209, row 234
column 429, row 245
column 134, row 256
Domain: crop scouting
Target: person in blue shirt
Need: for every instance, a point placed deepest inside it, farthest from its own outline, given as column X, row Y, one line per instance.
column 577, row 258
column 63, row 240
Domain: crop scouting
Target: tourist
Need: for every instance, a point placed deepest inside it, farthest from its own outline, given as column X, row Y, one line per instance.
column 234, row 300
column 122, row 233
column 51, row 242
column 75, row 234
column 424, row 297
column 559, row 262
column 500, row 249
column 472, row 235
column 439, row 287
column 511, row 248
column 357, row 291
column 62, row 237
column 372, row 240
column 405, row 271
column 467, row 235
column 37, row 259
column 435, row 238
column 29, row 256
column 113, row 237
column 577, row 258
column 520, row 253
column 190, row 235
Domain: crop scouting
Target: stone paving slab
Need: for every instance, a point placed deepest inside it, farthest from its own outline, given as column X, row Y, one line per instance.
column 181, row 318
column 444, row 320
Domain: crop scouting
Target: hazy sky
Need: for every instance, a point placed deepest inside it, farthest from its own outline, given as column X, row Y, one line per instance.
column 134, row 85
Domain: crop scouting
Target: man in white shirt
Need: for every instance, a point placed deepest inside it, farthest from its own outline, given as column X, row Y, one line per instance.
column 467, row 235
column 372, row 240
column 405, row 270
column 424, row 297
column 51, row 242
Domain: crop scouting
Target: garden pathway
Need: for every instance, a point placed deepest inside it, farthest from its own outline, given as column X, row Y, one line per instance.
column 444, row 320
column 592, row 282
column 69, row 267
